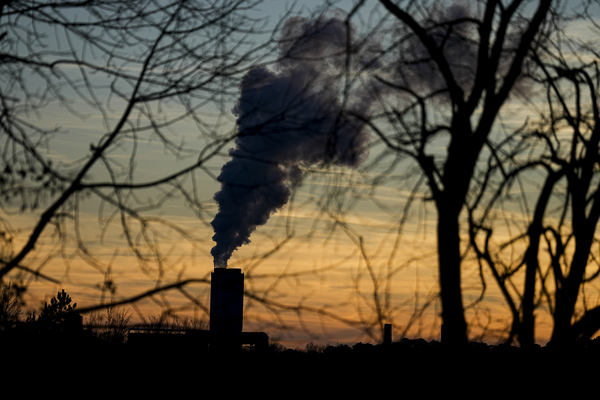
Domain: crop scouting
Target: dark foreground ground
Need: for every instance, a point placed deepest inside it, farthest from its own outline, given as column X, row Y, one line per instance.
column 36, row 366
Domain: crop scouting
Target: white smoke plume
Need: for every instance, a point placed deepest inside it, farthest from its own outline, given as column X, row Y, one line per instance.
column 289, row 117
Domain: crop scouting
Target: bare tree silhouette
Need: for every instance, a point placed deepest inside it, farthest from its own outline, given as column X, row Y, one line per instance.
column 444, row 73
column 549, row 262
column 136, row 72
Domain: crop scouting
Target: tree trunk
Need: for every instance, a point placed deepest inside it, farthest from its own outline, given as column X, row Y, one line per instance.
column 567, row 295
column 454, row 325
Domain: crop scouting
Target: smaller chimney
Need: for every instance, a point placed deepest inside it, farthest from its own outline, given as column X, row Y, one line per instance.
column 227, row 303
column 387, row 334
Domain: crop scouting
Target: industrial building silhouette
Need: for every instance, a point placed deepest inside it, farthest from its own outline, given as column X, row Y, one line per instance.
column 226, row 321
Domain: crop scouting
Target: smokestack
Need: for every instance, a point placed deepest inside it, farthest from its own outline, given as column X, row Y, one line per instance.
column 227, row 303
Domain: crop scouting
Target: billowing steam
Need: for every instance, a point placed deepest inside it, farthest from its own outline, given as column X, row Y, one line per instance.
column 310, row 107
column 289, row 117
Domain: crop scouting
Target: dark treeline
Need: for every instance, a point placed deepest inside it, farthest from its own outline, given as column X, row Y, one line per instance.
column 59, row 353
column 403, row 366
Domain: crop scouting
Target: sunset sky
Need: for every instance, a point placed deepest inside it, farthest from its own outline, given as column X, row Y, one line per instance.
column 321, row 263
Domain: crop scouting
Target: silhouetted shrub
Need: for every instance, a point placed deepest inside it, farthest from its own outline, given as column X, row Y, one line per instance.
column 10, row 305
column 112, row 327
column 58, row 317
